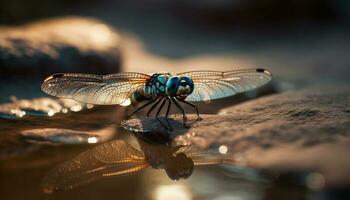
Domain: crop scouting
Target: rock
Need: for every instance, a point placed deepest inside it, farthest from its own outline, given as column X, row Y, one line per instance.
column 66, row 136
column 69, row 44
column 28, row 141
column 25, row 124
column 292, row 131
column 39, row 107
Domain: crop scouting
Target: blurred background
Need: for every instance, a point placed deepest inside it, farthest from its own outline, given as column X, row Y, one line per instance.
column 303, row 43
column 297, row 40
column 296, row 31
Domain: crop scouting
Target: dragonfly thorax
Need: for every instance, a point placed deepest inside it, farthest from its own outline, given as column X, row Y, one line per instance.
column 169, row 85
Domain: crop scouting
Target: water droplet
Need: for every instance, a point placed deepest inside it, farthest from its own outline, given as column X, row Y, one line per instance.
column 18, row 113
column 89, row 106
column 51, row 113
column 76, row 108
column 223, row 149
column 92, row 140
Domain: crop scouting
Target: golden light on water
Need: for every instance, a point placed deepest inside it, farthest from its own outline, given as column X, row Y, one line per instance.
column 172, row 192
column 126, row 102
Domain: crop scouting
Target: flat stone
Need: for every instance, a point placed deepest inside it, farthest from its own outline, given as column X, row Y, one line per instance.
column 69, row 44
column 57, row 136
column 299, row 130
column 27, row 124
column 46, row 107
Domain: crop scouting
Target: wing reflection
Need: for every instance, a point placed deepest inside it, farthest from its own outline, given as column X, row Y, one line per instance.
column 119, row 157
column 108, row 159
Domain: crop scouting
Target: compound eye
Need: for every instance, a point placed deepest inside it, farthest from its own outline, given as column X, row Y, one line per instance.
column 187, row 81
column 161, row 79
column 172, row 85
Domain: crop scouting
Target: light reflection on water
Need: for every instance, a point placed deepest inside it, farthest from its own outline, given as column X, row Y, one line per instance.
column 206, row 182
column 172, row 192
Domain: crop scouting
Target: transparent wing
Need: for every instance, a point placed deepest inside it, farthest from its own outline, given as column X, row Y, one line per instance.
column 201, row 157
column 209, row 85
column 109, row 159
column 95, row 89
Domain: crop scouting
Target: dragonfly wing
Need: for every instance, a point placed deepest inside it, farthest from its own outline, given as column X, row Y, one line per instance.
column 109, row 159
column 209, row 85
column 95, row 89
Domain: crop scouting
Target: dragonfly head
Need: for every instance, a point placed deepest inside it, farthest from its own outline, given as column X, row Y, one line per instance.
column 180, row 87
column 179, row 167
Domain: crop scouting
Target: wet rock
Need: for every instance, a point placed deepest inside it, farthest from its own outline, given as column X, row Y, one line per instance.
column 45, row 107
column 56, row 113
column 66, row 136
column 68, row 44
column 292, row 131
column 25, row 124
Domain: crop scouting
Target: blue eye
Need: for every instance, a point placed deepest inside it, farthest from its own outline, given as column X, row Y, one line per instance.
column 172, row 85
column 187, row 81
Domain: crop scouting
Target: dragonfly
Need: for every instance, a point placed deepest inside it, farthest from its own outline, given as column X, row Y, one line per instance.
column 156, row 89
column 118, row 157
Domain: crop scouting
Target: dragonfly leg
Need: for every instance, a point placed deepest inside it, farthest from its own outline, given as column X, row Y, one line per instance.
column 193, row 106
column 153, row 106
column 159, row 110
column 167, row 114
column 184, row 118
column 143, row 106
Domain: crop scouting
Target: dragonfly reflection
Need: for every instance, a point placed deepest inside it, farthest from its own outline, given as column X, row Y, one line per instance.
column 158, row 88
column 119, row 157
